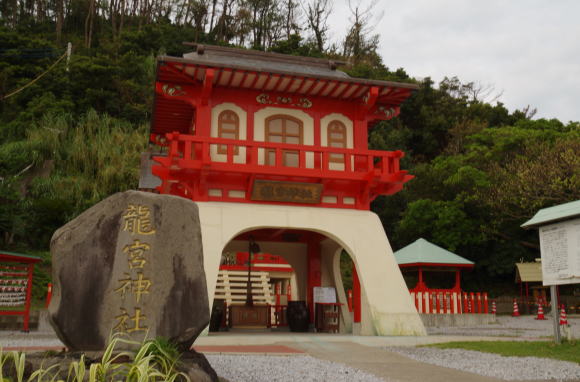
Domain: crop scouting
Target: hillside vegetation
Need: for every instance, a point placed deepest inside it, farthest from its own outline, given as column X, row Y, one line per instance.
column 73, row 137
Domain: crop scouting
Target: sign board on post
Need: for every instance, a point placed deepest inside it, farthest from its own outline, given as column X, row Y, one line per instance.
column 559, row 228
column 325, row 295
column 560, row 251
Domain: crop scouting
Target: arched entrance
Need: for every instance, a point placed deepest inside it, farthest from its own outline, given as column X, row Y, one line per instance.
column 290, row 266
column 386, row 308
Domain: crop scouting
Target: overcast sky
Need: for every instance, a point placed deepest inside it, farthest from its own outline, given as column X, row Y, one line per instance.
column 527, row 49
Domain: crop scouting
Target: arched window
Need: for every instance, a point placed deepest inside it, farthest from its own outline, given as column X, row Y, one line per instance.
column 228, row 128
column 336, row 134
column 284, row 129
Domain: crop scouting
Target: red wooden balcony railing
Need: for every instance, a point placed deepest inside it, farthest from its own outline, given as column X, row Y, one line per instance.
column 361, row 174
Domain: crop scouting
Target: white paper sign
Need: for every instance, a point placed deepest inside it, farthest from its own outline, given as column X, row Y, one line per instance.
column 560, row 248
column 324, row 295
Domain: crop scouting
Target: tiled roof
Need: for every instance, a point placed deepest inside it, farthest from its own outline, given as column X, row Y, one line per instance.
column 554, row 214
column 424, row 252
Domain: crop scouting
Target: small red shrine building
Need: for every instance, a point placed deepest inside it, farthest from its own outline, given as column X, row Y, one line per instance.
column 421, row 257
column 16, row 274
column 274, row 148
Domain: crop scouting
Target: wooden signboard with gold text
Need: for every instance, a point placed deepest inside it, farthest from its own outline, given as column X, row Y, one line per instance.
column 293, row 192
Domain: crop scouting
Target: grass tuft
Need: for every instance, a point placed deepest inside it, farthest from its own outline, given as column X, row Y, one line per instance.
column 567, row 351
column 154, row 361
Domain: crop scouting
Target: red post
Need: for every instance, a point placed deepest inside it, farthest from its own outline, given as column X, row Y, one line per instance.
column 453, row 303
column 349, row 293
column 472, row 299
column 437, row 303
column 420, row 285
column 250, row 159
column 485, row 304
column 430, row 301
column 278, row 292
column 48, row 294
column 478, row 295
column 457, row 286
column 314, row 273
column 357, row 298
column 465, row 310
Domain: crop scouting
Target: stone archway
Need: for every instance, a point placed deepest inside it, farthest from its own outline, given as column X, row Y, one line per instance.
column 390, row 310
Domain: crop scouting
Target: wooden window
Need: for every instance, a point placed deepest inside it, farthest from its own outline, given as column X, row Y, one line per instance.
column 336, row 134
column 284, row 129
column 228, row 128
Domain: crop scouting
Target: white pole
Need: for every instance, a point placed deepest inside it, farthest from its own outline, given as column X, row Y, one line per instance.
column 68, row 53
column 555, row 315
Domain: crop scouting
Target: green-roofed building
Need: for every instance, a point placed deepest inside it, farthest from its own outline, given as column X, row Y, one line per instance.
column 423, row 256
column 554, row 214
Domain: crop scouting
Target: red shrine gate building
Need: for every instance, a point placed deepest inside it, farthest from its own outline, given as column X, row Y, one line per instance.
column 274, row 148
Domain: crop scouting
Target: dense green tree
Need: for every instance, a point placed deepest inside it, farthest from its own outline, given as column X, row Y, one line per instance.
column 73, row 136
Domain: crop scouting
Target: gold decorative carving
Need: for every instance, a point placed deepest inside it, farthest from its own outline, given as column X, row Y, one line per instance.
column 389, row 112
column 293, row 192
column 302, row 102
column 173, row 90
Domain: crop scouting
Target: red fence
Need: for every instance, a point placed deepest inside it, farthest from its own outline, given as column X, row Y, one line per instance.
column 451, row 302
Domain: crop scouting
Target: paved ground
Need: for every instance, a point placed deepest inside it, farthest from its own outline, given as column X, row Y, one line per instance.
column 385, row 364
column 364, row 353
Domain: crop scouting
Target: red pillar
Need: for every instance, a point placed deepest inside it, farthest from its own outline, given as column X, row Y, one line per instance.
column 360, row 162
column 250, row 134
column 356, row 292
column 314, row 274
column 317, row 139
column 457, row 281
column 48, row 294
column 349, row 293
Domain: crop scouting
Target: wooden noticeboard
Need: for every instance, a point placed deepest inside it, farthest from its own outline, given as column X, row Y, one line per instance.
column 560, row 250
column 325, row 295
column 293, row 192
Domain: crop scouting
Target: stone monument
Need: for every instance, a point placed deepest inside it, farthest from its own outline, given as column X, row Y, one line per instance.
column 132, row 264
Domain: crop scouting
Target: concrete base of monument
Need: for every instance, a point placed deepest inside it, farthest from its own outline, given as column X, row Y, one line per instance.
column 445, row 320
column 386, row 306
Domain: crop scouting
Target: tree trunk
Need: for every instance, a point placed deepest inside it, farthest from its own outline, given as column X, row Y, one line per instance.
column 59, row 19
column 122, row 16
column 112, row 15
column 89, row 21
column 213, row 5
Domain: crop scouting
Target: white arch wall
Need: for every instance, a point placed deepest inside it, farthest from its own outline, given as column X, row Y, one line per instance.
column 390, row 309
column 240, row 157
column 336, row 117
column 324, row 122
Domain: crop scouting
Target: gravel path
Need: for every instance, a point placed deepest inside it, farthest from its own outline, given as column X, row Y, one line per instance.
column 494, row 365
column 250, row 368
column 262, row 368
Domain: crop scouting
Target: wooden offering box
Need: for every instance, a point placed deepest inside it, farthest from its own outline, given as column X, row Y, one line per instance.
column 328, row 317
column 250, row 317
